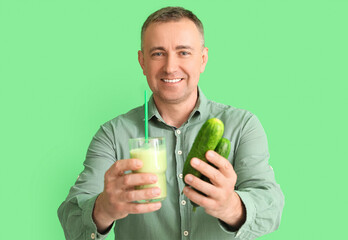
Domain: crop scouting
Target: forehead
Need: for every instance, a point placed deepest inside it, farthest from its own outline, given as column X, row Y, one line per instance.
column 170, row 34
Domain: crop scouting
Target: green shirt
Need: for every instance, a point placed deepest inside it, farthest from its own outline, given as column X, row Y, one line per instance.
column 249, row 156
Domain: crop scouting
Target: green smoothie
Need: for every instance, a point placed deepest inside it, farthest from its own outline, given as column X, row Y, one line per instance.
column 154, row 161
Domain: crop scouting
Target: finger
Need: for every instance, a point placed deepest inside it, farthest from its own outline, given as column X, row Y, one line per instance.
column 195, row 197
column 209, row 171
column 123, row 165
column 141, row 194
column 221, row 163
column 136, row 208
column 201, row 185
column 138, row 179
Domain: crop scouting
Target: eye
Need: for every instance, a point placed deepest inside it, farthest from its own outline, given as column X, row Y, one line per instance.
column 157, row 54
column 184, row 53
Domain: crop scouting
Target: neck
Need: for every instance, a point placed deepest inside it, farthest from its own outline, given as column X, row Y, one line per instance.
column 176, row 114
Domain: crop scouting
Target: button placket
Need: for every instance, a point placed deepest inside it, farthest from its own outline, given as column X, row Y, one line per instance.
column 183, row 206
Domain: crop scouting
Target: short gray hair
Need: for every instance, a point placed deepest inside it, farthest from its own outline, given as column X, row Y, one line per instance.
column 168, row 14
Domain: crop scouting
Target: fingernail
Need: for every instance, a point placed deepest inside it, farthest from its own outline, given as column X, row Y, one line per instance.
column 188, row 178
column 195, row 161
column 156, row 191
column 211, row 153
column 153, row 178
column 185, row 189
column 157, row 205
column 139, row 163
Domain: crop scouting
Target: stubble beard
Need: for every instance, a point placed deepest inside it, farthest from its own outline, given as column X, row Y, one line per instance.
column 174, row 101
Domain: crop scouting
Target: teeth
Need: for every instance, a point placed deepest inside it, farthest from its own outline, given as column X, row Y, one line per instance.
column 172, row 80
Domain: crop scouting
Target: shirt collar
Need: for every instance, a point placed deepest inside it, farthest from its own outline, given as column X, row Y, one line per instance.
column 201, row 105
column 152, row 109
column 198, row 111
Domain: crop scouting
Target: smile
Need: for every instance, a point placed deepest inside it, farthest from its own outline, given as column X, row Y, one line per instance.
column 171, row 80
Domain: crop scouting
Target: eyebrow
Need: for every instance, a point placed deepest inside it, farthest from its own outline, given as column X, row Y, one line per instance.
column 156, row 48
column 183, row 47
column 177, row 48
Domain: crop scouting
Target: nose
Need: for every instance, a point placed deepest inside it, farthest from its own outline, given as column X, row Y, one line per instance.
column 171, row 64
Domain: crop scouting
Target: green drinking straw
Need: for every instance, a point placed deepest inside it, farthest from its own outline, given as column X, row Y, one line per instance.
column 146, row 121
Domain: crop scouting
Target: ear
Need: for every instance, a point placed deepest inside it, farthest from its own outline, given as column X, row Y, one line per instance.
column 204, row 59
column 141, row 61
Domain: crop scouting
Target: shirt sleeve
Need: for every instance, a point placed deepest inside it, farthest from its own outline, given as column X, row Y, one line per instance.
column 75, row 213
column 256, row 185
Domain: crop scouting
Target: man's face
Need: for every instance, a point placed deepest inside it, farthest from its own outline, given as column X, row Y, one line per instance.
column 172, row 60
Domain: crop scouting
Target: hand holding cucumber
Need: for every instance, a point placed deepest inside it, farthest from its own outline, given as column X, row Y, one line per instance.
column 213, row 187
column 221, row 201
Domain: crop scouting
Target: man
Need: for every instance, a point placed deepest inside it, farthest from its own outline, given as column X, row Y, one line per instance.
column 242, row 201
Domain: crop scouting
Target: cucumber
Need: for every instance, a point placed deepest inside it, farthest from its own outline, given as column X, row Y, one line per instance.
column 223, row 149
column 207, row 138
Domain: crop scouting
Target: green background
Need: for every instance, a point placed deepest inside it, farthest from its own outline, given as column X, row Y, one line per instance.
column 66, row 67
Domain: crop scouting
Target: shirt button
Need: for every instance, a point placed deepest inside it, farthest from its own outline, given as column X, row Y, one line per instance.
column 180, row 175
column 93, row 235
column 179, row 152
column 186, row 233
column 183, row 202
column 158, row 119
column 178, row 131
column 238, row 234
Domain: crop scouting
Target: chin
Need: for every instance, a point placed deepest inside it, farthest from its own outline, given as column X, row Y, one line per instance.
column 173, row 99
